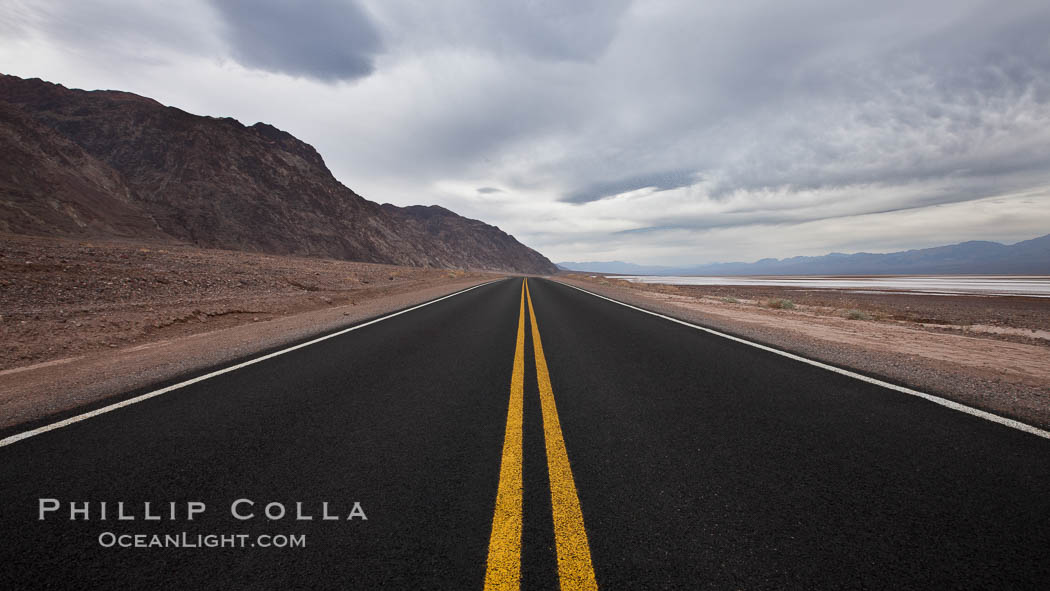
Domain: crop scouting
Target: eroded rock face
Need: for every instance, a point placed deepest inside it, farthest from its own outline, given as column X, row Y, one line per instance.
column 50, row 184
column 128, row 166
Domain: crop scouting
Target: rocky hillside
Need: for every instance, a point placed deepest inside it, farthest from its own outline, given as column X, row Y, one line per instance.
column 117, row 164
column 50, row 184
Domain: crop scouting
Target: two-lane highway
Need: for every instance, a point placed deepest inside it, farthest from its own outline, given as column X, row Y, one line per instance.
column 524, row 438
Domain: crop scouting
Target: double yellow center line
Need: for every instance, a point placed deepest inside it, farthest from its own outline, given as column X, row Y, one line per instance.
column 503, row 570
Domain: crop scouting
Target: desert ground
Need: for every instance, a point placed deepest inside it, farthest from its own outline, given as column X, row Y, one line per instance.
column 83, row 320
column 63, row 298
column 990, row 352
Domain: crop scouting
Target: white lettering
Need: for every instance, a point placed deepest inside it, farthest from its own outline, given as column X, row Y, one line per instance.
column 237, row 514
column 357, row 511
column 73, row 511
column 47, row 505
column 326, row 516
column 194, row 508
column 270, row 515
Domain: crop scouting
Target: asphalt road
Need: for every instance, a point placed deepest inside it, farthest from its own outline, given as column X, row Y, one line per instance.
column 626, row 451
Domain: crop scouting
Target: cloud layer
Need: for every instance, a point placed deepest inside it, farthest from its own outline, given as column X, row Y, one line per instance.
column 656, row 132
column 324, row 39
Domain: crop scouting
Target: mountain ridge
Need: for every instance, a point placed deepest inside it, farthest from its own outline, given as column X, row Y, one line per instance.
column 211, row 182
column 1027, row 257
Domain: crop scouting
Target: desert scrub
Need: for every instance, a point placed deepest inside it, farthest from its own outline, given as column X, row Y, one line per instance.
column 857, row 315
column 730, row 300
column 780, row 304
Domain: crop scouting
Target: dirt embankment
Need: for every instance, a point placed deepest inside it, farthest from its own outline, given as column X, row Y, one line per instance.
column 62, row 298
column 988, row 352
column 81, row 321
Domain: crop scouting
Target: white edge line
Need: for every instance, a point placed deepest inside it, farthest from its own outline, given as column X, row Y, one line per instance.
column 100, row 411
column 935, row 399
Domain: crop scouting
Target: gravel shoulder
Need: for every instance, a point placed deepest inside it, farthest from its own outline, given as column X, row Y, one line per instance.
column 954, row 348
column 82, row 322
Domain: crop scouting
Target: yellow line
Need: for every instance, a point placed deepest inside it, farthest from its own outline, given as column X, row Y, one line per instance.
column 504, row 561
column 570, row 538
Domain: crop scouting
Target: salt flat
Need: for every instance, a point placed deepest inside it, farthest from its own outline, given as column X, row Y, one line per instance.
column 1026, row 285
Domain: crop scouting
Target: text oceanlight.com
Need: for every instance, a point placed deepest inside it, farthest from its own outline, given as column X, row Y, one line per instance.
column 187, row 540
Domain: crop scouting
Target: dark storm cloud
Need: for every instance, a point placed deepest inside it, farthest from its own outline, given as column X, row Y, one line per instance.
column 488, row 190
column 659, row 181
column 327, row 40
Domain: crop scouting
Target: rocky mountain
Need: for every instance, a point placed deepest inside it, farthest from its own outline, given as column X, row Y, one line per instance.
column 110, row 163
column 1030, row 257
column 48, row 183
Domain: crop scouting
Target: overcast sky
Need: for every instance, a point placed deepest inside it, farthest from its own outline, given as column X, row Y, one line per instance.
column 652, row 132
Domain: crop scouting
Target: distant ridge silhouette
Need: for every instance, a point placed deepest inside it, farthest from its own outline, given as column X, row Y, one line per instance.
column 1030, row 257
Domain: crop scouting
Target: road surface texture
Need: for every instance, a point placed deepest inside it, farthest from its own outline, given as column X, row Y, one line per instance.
column 507, row 439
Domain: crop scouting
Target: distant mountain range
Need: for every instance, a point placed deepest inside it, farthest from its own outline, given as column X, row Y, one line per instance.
column 115, row 164
column 1031, row 257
